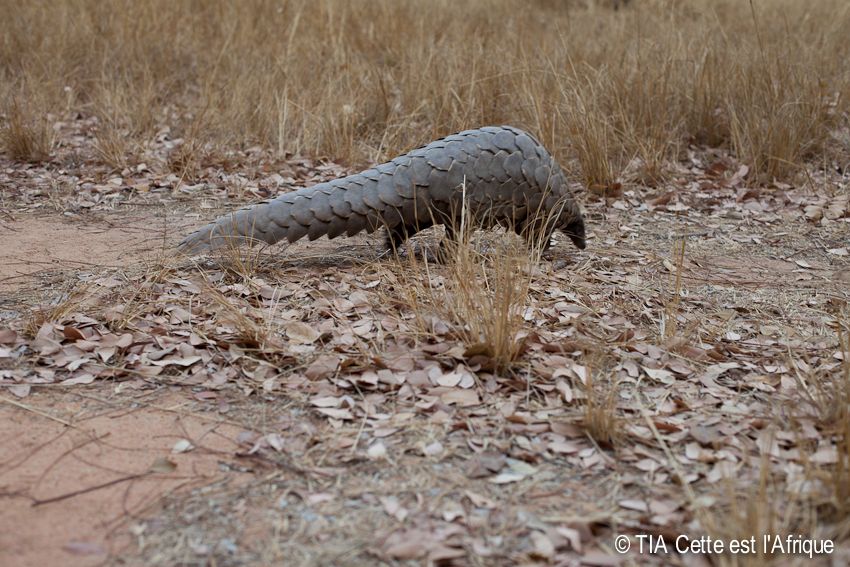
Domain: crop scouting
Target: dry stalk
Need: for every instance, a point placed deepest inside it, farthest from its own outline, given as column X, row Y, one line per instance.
column 482, row 296
column 671, row 305
column 601, row 420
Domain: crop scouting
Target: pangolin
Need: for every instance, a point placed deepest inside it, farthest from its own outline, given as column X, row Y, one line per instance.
column 504, row 174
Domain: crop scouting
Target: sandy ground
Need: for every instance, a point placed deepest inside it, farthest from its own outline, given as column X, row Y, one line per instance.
column 80, row 469
column 62, row 443
column 35, row 246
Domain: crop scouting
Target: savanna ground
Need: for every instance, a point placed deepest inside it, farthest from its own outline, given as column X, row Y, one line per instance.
column 325, row 404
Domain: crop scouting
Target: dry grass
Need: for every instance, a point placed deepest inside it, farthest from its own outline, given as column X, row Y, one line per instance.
column 363, row 80
column 841, row 478
column 255, row 329
column 481, row 293
column 833, row 395
column 601, row 419
column 814, row 501
column 239, row 261
column 671, row 305
column 480, row 296
column 765, row 507
column 26, row 135
column 57, row 311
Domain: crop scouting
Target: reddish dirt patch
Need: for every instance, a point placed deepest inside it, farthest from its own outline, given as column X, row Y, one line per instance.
column 34, row 245
column 102, row 462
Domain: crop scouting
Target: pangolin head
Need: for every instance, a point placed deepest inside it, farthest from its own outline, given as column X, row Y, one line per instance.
column 569, row 221
column 574, row 229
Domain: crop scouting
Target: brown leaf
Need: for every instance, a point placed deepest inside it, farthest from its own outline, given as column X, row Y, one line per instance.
column 479, row 501
column 322, row 367
column 703, row 435
column 566, row 429
column 179, row 315
column 485, row 465
column 564, row 447
column 8, row 337
column 410, row 545
column 336, row 413
column 105, row 353
column 463, row 398
column 185, row 361
column 301, row 333
column 442, row 553
column 72, row 333
column 450, row 380
column 662, row 199
column 326, row 402
column 403, row 363
column 84, row 378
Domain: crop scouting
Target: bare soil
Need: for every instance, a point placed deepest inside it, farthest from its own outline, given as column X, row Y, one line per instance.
column 77, row 470
column 34, row 247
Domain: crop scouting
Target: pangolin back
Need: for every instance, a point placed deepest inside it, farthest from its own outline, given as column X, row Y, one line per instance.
column 504, row 173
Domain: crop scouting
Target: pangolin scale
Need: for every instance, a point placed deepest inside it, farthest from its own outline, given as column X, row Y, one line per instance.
column 506, row 176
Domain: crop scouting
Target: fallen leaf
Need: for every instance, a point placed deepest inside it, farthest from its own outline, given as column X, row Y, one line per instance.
column 184, row 361
column 543, row 546
column 163, row 465
column 377, row 450
column 85, row 378
column 660, row 375
column 301, row 333
column 336, row 413
column 319, row 497
column 182, row 446
column 450, row 380
column 463, row 398
column 322, row 367
column 8, row 336
column 485, row 464
column 326, row 402
column 409, row 544
column 72, row 333
column 433, row 449
column 507, row 477
column 20, row 390
column 393, row 508
column 275, row 441
column 479, row 501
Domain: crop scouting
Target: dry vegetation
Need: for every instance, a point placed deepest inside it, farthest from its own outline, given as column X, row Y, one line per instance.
column 688, row 373
column 360, row 81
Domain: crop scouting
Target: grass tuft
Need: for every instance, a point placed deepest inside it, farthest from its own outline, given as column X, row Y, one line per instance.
column 482, row 295
column 27, row 134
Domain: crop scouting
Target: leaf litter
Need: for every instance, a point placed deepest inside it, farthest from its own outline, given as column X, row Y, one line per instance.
column 368, row 436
